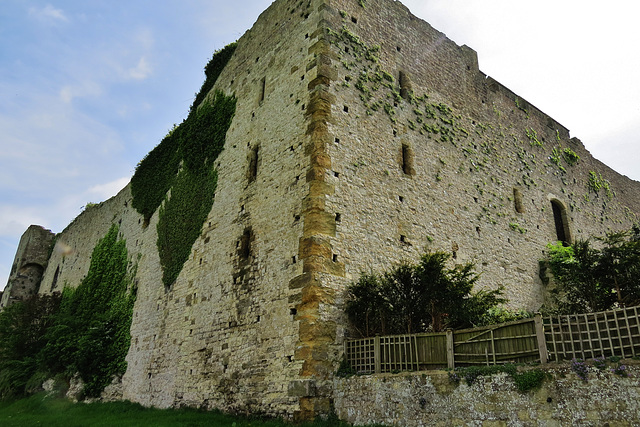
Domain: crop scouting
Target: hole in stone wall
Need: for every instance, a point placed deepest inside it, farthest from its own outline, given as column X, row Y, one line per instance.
column 407, row 160
column 401, row 199
column 338, row 217
column 561, row 219
column 244, row 247
column 337, row 140
column 354, row 19
column 398, row 48
column 263, row 88
column 346, row 109
column 252, row 170
column 405, row 85
column 403, row 239
column 517, row 200
column 335, row 258
column 293, row 311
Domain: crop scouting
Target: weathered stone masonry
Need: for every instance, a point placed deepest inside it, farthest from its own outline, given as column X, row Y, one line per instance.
column 362, row 137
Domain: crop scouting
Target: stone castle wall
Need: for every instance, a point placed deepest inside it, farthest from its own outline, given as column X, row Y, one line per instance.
column 28, row 266
column 325, row 175
column 412, row 400
column 459, row 195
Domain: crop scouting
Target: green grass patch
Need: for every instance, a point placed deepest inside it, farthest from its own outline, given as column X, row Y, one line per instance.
column 39, row 410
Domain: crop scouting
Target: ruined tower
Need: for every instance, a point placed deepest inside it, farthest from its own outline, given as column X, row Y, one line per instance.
column 361, row 137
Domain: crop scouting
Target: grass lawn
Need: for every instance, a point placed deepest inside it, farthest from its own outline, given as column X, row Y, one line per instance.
column 39, row 410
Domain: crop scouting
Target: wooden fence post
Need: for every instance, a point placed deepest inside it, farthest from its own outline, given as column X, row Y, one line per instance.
column 376, row 354
column 451, row 362
column 542, row 341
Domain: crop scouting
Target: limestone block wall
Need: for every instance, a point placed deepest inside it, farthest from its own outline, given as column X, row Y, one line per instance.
column 28, row 266
column 431, row 400
column 482, row 186
column 226, row 334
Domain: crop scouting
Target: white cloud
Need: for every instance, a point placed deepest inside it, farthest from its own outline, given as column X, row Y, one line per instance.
column 140, row 71
column 48, row 14
column 105, row 191
column 69, row 92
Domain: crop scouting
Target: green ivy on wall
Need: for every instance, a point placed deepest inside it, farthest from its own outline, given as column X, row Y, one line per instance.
column 91, row 331
column 183, row 163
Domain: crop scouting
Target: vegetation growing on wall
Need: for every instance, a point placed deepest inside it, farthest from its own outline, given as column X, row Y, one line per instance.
column 22, row 339
column 590, row 278
column 90, row 335
column 179, row 173
column 414, row 298
column 84, row 331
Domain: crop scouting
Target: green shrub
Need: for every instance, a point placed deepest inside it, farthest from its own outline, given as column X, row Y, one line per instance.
column 413, row 298
column 90, row 333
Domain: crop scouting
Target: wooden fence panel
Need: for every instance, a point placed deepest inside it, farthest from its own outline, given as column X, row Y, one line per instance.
column 584, row 336
column 591, row 335
column 514, row 342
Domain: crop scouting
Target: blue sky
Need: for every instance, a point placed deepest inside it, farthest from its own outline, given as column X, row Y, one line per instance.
column 88, row 87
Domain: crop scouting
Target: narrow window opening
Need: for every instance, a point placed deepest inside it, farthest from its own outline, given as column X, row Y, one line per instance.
column 403, row 239
column 406, row 90
column 346, row 109
column 398, row 48
column 55, row 278
column 293, row 311
column 561, row 221
column 263, row 88
column 252, row 171
column 338, row 217
column 401, row 199
column 294, row 259
column 244, row 249
column 258, row 319
column 335, row 258
column 407, row 160
column 517, row 200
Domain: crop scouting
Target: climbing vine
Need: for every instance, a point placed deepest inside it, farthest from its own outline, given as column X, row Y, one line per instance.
column 179, row 173
column 90, row 335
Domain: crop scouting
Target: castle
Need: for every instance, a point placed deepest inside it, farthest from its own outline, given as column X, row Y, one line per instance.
column 361, row 137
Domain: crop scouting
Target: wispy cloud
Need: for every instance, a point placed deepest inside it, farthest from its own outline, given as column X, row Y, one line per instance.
column 107, row 190
column 48, row 14
column 140, row 71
